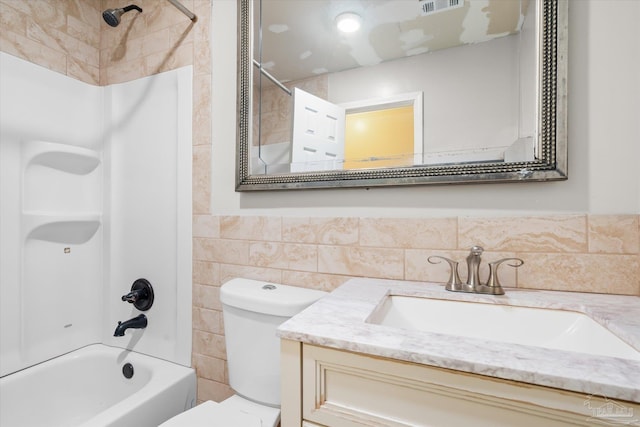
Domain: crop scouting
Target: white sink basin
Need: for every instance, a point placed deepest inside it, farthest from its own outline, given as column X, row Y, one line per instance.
column 555, row 329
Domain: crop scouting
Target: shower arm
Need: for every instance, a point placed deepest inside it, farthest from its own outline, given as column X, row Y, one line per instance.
column 183, row 9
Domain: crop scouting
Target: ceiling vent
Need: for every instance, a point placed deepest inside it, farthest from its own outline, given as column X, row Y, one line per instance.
column 429, row 7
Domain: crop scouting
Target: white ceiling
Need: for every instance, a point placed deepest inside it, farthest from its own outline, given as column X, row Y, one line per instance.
column 300, row 39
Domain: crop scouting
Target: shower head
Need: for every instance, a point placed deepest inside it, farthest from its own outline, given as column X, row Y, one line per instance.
column 112, row 16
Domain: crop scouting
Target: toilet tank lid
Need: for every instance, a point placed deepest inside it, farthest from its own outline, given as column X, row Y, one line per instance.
column 212, row 413
column 267, row 298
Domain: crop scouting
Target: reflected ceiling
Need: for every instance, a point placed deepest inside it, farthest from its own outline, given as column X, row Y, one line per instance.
column 300, row 38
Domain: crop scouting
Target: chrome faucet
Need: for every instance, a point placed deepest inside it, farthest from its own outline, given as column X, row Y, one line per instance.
column 492, row 287
column 138, row 322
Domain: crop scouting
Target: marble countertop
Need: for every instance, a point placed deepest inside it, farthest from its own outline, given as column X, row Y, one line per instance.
column 339, row 321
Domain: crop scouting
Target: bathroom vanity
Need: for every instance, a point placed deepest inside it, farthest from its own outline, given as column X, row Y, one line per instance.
column 346, row 363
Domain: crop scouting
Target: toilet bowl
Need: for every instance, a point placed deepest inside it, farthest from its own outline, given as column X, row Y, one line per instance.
column 252, row 311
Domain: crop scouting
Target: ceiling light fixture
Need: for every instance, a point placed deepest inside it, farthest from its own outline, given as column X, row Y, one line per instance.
column 348, row 22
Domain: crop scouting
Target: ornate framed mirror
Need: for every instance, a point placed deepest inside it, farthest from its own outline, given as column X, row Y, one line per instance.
column 450, row 92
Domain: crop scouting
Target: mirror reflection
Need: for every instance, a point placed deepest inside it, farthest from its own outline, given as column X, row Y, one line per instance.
column 361, row 84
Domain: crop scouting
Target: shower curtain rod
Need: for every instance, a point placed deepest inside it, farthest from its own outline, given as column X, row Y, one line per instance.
column 183, row 9
column 270, row 77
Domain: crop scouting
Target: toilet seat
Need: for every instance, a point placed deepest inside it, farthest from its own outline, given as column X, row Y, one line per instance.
column 212, row 414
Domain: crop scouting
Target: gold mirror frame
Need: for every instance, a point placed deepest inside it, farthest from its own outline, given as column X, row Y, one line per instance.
column 552, row 126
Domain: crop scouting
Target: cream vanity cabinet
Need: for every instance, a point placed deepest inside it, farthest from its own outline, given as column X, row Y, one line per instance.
column 329, row 387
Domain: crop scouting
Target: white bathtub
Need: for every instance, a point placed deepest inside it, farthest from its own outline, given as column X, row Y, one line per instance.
column 87, row 388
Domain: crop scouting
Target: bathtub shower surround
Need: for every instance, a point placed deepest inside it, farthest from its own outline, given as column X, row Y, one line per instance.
column 52, row 190
column 96, row 193
column 149, row 205
column 71, row 38
column 88, row 388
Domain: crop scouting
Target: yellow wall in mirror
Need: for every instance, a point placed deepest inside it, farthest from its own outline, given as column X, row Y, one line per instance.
column 379, row 138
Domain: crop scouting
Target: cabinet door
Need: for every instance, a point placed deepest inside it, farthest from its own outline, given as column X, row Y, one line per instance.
column 343, row 389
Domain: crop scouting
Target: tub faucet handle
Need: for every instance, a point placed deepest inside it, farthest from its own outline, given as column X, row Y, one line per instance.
column 141, row 295
column 133, row 296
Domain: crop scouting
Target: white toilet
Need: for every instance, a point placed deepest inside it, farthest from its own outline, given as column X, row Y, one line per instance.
column 252, row 311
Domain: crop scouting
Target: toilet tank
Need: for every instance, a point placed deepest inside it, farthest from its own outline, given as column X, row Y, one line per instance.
column 252, row 312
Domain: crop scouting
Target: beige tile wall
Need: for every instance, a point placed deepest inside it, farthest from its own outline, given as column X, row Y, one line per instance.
column 571, row 252
column 70, row 37
column 63, row 36
column 160, row 38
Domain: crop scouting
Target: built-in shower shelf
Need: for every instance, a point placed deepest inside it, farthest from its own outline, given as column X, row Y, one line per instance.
column 60, row 228
column 64, row 157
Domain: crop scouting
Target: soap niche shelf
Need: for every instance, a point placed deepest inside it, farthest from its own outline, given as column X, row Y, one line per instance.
column 61, row 192
column 66, row 158
column 60, row 228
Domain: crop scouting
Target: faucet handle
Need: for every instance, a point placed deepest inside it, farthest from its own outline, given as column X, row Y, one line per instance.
column 492, row 281
column 454, row 282
column 134, row 296
column 141, row 295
